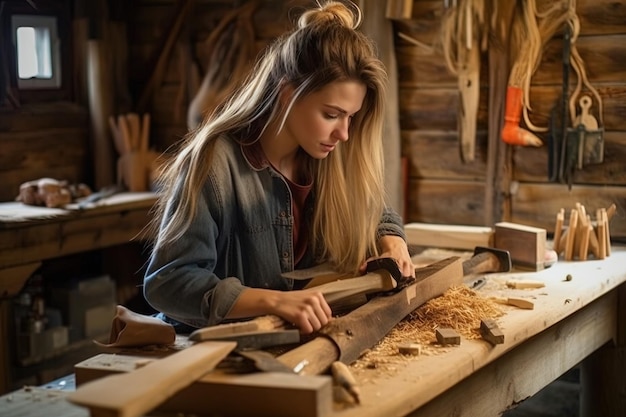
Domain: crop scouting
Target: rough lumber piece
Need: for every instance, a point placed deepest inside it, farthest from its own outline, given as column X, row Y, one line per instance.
column 135, row 393
column 448, row 236
column 271, row 394
column 346, row 338
column 526, row 244
column 447, row 336
column 490, row 331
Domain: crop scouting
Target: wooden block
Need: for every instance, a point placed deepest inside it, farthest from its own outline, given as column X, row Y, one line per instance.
column 221, row 393
column 410, row 348
column 447, row 336
column 448, row 236
column 490, row 331
column 526, row 244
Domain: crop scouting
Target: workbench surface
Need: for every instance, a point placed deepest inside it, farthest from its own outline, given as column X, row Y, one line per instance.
column 572, row 320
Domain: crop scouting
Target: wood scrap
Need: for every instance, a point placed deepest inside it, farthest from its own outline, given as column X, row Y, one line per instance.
column 515, row 301
column 490, row 331
column 447, row 336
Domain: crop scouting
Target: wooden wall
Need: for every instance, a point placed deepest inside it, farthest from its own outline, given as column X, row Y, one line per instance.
column 52, row 139
column 444, row 189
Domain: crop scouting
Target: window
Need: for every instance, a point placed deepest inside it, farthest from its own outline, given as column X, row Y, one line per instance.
column 37, row 51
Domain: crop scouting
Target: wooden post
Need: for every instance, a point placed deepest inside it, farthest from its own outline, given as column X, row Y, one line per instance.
column 603, row 386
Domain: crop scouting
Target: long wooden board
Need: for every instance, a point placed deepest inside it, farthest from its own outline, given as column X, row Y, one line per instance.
column 266, row 394
column 135, row 393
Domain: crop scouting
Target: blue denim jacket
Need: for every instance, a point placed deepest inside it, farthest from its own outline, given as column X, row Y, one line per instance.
column 240, row 237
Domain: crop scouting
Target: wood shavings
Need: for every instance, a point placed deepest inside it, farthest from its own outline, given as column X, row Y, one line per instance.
column 459, row 308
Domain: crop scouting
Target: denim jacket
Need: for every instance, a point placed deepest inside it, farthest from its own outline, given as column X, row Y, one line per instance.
column 240, row 237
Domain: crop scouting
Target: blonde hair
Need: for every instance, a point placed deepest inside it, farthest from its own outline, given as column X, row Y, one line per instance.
column 325, row 47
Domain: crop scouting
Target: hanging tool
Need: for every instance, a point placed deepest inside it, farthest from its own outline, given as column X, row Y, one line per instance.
column 558, row 135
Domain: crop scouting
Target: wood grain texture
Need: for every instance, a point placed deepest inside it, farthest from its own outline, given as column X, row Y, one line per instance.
column 420, row 145
column 446, row 201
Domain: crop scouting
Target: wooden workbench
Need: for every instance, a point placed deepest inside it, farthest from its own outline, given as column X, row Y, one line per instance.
column 573, row 322
column 30, row 235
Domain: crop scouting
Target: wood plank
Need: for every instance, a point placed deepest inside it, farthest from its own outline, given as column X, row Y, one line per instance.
column 463, row 202
column 537, row 204
column 267, row 394
column 420, row 145
column 448, row 236
column 603, row 55
column 151, row 385
column 601, row 17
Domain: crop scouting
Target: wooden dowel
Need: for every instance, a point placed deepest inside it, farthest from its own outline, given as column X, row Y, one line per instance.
column 600, row 227
column 607, row 233
column 571, row 236
column 594, row 245
column 586, row 231
column 558, row 230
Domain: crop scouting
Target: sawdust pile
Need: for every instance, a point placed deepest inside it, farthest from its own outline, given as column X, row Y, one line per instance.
column 459, row 308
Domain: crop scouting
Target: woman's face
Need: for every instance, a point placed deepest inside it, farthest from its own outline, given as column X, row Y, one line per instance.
column 319, row 121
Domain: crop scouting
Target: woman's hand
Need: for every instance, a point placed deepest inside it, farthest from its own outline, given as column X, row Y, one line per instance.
column 396, row 248
column 305, row 309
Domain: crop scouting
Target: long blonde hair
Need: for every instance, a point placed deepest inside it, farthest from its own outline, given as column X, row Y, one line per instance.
column 325, row 47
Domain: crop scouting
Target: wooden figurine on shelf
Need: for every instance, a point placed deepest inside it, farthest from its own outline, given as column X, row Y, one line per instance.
column 582, row 234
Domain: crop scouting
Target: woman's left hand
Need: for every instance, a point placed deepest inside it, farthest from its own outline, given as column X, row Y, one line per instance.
column 396, row 248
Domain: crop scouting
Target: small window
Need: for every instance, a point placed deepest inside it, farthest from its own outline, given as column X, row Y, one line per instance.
column 37, row 49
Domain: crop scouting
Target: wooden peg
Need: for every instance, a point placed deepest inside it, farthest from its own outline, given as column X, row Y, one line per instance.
column 571, row 236
column 558, row 231
column 594, row 245
column 601, row 234
column 607, row 233
column 583, row 249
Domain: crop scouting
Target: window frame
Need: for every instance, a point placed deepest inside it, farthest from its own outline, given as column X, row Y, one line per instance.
column 61, row 11
column 39, row 21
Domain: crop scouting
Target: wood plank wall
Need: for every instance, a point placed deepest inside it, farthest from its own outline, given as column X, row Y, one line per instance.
column 444, row 189
column 52, row 139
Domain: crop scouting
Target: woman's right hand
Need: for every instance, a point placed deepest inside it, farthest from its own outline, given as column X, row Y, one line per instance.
column 305, row 309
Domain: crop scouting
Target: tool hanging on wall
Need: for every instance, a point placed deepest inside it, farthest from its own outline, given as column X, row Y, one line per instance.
column 463, row 39
column 582, row 143
column 531, row 31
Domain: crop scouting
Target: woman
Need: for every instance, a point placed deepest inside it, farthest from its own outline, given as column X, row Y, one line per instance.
column 285, row 175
